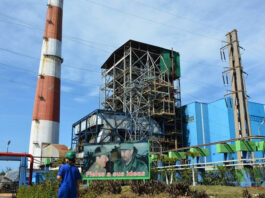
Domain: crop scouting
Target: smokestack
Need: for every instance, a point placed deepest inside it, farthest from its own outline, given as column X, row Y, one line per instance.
column 46, row 112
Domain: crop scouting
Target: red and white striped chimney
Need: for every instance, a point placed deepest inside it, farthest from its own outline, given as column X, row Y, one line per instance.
column 46, row 113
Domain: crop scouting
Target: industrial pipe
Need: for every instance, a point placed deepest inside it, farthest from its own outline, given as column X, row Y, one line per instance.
column 22, row 155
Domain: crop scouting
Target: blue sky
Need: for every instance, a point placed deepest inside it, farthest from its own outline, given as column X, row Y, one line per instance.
column 92, row 29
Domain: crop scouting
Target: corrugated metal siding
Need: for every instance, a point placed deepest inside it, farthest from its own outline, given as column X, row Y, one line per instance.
column 218, row 124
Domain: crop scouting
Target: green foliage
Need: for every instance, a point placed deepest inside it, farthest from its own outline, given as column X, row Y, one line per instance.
column 153, row 173
column 178, row 189
column 58, row 162
column 49, row 188
column 199, row 194
column 225, row 175
column 193, row 154
column 222, row 176
column 150, row 187
column 114, row 187
column 138, row 187
column 256, row 174
column 208, row 178
column 186, row 176
column 97, row 187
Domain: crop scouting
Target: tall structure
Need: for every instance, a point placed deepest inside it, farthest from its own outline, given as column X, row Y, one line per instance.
column 143, row 81
column 46, row 113
column 238, row 91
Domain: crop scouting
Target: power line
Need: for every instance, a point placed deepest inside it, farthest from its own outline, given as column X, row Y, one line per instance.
column 31, row 86
column 68, row 37
column 31, row 72
column 81, row 40
column 152, row 21
column 174, row 14
column 35, row 58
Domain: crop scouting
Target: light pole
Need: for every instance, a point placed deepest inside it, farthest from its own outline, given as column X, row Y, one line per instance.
column 7, row 145
column 261, row 126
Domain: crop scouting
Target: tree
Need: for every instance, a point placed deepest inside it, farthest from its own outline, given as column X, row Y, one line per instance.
column 193, row 155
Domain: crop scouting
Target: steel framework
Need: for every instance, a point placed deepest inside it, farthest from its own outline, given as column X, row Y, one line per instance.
column 139, row 79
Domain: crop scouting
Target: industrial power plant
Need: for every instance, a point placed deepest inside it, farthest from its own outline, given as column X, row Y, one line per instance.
column 140, row 110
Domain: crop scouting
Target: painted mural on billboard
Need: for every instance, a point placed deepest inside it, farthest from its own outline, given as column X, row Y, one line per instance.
column 128, row 160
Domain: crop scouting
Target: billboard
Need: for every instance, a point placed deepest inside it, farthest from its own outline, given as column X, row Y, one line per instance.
column 127, row 160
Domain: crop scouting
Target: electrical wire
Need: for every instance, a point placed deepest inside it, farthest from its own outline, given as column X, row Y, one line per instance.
column 35, row 74
column 161, row 10
column 76, row 39
column 91, row 44
column 35, row 58
column 151, row 21
column 21, row 83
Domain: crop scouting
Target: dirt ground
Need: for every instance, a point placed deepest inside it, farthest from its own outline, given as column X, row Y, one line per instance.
column 6, row 195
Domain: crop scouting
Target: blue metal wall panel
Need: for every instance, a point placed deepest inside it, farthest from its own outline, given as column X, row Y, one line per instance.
column 256, row 116
column 216, row 120
column 190, row 126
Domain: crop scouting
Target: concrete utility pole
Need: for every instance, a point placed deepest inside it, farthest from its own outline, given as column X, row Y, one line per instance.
column 238, row 91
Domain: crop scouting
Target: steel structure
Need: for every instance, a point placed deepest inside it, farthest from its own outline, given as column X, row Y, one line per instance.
column 143, row 80
column 107, row 126
column 46, row 113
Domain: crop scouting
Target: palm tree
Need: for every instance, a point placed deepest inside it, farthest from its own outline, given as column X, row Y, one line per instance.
column 193, row 155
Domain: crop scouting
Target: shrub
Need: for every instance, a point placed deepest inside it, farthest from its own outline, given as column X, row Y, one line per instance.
column 94, row 189
column 97, row 187
column 114, row 187
column 199, row 194
column 158, row 186
column 186, row 176
column 138, row 187
column 209, row 178
column 149, row 187
column 178, row 189
column 49, row 188
column 154, row 173
column 246, row 194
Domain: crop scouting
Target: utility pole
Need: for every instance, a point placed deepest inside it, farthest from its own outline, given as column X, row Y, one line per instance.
column 238, row 91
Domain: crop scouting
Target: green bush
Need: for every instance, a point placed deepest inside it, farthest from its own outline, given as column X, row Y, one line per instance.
column 114, row 187
column 186, row 176
column 49, row 188
column 149, row 187
column 178, row 189
column 199, row 194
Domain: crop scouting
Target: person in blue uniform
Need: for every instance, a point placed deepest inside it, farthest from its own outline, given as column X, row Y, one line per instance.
column 70, row 178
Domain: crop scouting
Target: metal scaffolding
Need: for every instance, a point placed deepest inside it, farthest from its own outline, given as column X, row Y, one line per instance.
column 139, row 79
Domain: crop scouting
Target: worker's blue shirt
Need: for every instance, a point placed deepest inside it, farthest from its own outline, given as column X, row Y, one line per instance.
column 70, row 175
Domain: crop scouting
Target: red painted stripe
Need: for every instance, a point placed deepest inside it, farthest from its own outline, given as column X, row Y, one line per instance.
column 53, row 25
column 47, row 99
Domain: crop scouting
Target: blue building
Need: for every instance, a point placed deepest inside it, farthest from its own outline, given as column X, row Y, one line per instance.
column 207, row 123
